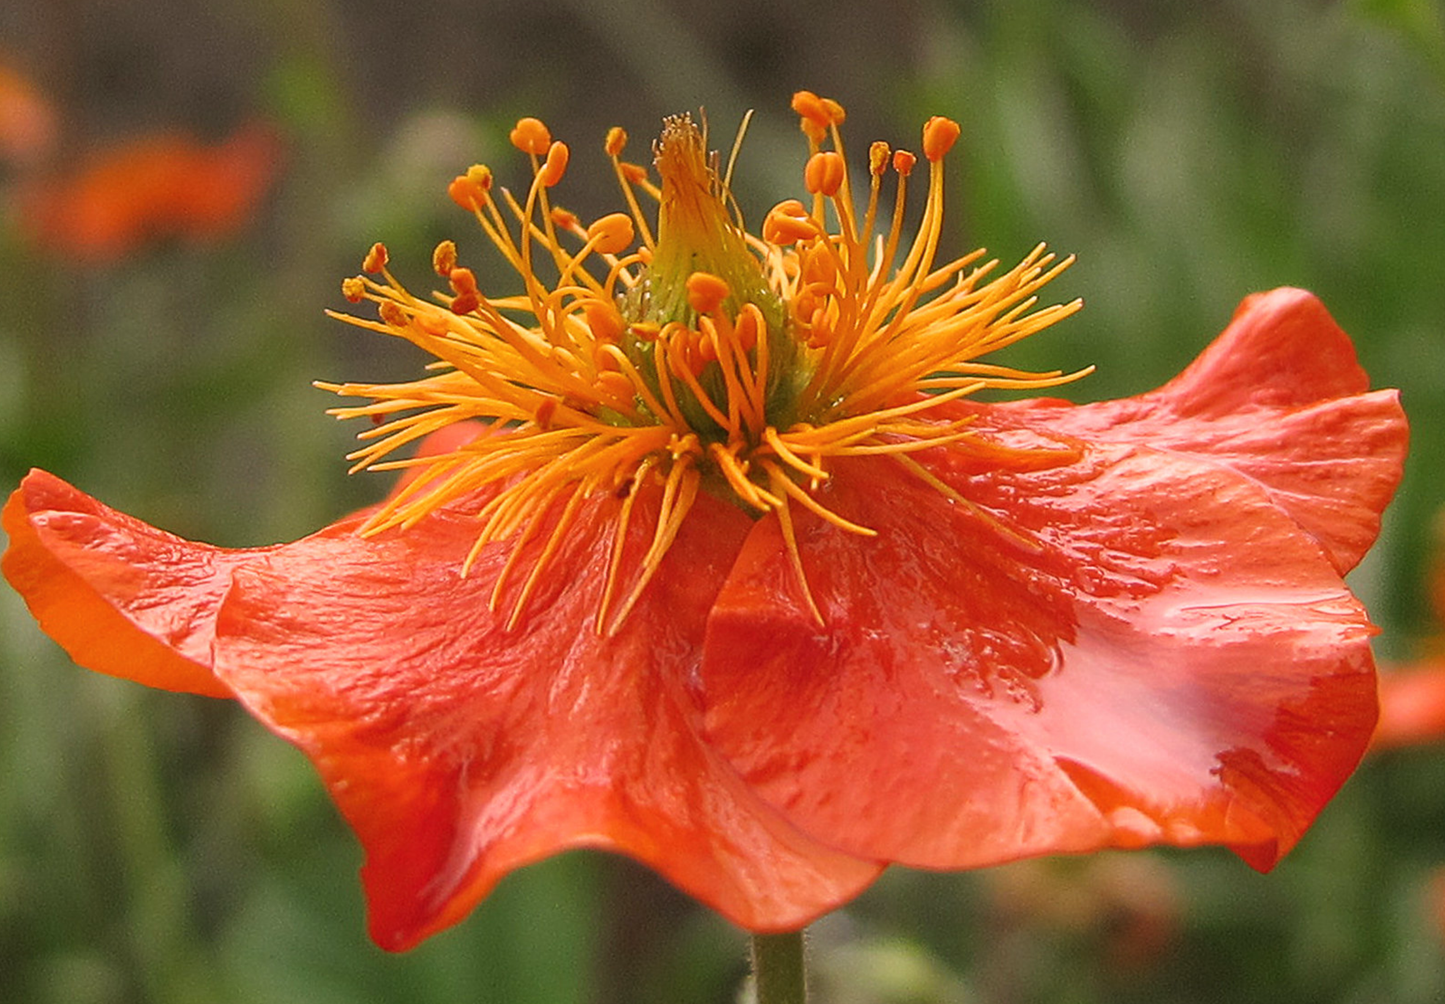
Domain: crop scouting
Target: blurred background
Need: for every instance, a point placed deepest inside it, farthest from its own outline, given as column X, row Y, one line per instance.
column 182, row 186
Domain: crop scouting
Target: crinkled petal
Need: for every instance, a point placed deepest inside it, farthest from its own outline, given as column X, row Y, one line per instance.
column 1278, row 397
column 120, row 596
column 129, row 600
column 460, row 750
column 1132, row 648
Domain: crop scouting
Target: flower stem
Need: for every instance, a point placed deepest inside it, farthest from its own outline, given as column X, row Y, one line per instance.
column 778, row 968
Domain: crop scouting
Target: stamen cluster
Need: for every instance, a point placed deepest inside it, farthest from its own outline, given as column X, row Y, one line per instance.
column 703, row 358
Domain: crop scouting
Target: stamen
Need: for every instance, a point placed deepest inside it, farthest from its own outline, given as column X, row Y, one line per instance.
column 444, row 258
column 556, row 165
column 679, row 492
column 706, row 292
column 701, row 356
column 612, row 234
column 939, row 135
column 376, row 259
column 616, row 141
column 472, row 190
column 824, row 173
column 530, row 136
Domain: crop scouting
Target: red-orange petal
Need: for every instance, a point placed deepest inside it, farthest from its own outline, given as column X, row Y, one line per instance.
column 120, row 596
column 1150, row 644
column 460, row 750
column 1280, row 398
column 125, row 598
column 1134, row 648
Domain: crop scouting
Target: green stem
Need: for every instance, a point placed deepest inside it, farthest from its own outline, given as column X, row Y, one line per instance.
column 778, row 968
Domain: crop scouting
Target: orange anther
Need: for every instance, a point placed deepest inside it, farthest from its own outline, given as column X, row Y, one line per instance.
column 939, row 135
column 811, row 108
column 688, row 355
column 820, row 331
column 481, row 176
column 392, row 314
column 470, row 190
column 646, row 331
column 805, row 303
column 463, row 281
column 706, row 347
column 612, row 233
column 819, row 268
column 877, row 158
column 824, row 173
column 444, row 258
column 556, row 164
column 565, row 219
column 616, row 141
column 635, row 174
column 787, row 223
column 615, row 385
column 605, row 320
column 530, row 136
column 835, row 111
column 465, row 194
column 543, row 415
column 376, row 258
column 706, row 292
column 465, row 303
column 353, row 288
column 903, row 162
column 746, row 330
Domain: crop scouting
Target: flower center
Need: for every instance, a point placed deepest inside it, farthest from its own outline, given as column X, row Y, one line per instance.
column 706, row 358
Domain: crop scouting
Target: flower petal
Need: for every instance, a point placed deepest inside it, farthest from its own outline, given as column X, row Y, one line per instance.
column 120, row 596
column 1278, row 397
column 459, row 749
column 1132, row 648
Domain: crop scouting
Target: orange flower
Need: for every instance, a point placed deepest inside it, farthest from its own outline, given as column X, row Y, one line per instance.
column 739, row 580
column 1412, row 705
column 154, row 187
column 1412, row 696
column 27, row 120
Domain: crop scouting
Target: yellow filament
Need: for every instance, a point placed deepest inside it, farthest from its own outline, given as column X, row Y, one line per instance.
column 785, row 356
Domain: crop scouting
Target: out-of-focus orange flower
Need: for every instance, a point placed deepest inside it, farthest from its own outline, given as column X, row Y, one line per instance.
column 1412, row 705
column 740, row 579
column 153, row 187
column 27, row 119
column 1412, row 695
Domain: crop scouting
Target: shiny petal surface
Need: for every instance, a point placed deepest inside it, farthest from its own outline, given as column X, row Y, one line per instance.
column 1278, row 397
column 129, row 600
column 1135, row 647
column 460, row 750
column 120, row 596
